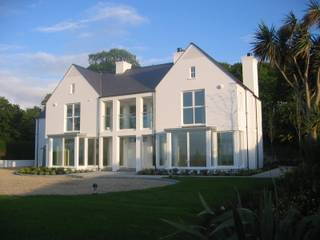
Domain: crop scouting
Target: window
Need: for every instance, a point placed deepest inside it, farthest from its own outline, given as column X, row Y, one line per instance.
column 197, row 139
column 108, row 115
column 57, row 152
column 81, row 151
column 72, row 88
column 73, row 117
column 225, row 148
column 162, row 149
column 107, row 151
column 193, row 107
column 93, row 151
column 69, row 152
column 193, row 72
column 179, row 149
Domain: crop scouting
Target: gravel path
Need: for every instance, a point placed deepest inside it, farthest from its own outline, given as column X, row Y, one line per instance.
column 11, row 184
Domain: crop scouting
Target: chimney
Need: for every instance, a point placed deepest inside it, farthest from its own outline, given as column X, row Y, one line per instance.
column 122, row 66
column 250, row 73
column 177, row 54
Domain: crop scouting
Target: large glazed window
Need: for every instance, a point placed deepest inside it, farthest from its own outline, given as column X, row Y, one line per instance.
column 162, row 149
column 128, row 152
column 73, row 117
column 197, row 146
column 179, row 149
column 225, row 149
column 108, row 115
column 92, row 152
column 69, row 152
column 194, row 107
column 81, row 151
column 107, row 151
column 57, row 151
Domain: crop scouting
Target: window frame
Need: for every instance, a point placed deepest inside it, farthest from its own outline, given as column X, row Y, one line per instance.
column 193, row 107
column 73, row 117
column 192, row 73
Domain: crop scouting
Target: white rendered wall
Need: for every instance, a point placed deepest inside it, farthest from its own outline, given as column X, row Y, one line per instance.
column 84, row 94
column 220, row 93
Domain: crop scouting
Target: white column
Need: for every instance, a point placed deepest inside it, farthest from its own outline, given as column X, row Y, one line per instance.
column 236, row 149
column 208, row 148
column 169, row 150
column 115, row 153
column 100, row 152
column 157, row 145
column 139, row 164
column 85, row 152
column 115, row 115
column 50, row 145
column 76, row 152
column 215, row 149
column 63, row 152
column 139, row 110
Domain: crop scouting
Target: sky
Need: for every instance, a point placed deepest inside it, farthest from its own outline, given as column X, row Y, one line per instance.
column 40, row 39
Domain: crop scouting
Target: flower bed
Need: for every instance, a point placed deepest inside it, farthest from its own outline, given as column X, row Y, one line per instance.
column 48, row 171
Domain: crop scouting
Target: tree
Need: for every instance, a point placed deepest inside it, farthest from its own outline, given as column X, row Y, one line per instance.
column 294, row 50
column 105, row 61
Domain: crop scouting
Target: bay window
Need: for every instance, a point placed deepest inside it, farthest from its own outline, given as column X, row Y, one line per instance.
column 225, row 149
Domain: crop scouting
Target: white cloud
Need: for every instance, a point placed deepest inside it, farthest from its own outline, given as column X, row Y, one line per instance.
column 8, row 47
column 18, row 90
column 121, row 14
column 62, row 26
column 25, row 78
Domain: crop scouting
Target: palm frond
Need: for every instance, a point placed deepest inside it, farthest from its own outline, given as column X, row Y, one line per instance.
column 264, row 44
column 312, row 16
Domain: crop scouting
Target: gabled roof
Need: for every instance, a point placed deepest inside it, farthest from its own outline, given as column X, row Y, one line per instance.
column 223, row 69
column 139, row 80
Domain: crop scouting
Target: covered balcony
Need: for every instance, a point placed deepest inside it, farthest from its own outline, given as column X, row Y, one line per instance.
column 127, row 116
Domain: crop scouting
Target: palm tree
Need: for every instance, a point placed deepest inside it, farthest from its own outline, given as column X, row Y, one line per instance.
column 294, row 49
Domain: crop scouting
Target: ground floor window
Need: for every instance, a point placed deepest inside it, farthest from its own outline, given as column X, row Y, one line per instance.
column 81, row 151
column 107, row 151
column 147, row 151
column 189, row 148
column 57, row 151
column 162, row 149
column 127, row 152
column 179, row 149
column 225, row 149
column 197, row 148
column 93, row 151
column 69, row 152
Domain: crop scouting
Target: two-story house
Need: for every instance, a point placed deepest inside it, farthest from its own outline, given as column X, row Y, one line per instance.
column 189, row 114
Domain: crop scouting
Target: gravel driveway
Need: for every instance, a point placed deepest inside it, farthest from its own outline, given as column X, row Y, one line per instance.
column 11, row 184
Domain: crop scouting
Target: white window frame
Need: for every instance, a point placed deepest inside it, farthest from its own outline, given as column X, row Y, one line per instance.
column 192, row 74
column 73, row 117
column 193, row 106
column 72, row 88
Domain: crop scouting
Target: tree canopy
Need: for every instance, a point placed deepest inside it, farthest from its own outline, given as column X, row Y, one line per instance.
column 105, row 61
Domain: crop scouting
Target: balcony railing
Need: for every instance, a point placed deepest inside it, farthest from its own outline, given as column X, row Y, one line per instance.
column 127, row 121
column 147, row 119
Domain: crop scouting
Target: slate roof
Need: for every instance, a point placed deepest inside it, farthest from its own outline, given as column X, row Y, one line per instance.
column 137, row 80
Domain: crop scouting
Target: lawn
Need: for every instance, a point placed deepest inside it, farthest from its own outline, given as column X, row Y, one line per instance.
column 123, row 215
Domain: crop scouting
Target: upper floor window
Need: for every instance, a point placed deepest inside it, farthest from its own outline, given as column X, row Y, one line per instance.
column 72, row 88
column 73, row 117
column 193, row 107
column 108, row 115
column 193, row 72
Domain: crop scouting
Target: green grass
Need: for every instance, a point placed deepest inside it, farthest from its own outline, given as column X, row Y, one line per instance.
column 123, row 215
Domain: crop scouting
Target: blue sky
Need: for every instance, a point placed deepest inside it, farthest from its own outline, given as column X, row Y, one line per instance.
column 40, row 39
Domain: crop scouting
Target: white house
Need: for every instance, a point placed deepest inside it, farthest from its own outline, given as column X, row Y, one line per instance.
column 189, row 114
